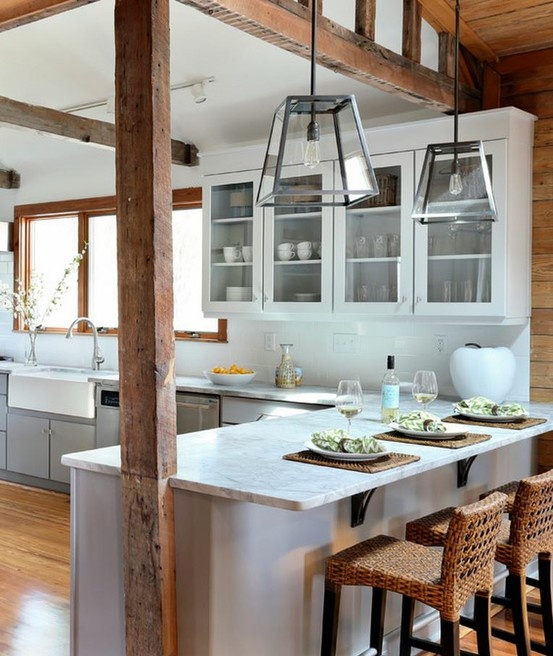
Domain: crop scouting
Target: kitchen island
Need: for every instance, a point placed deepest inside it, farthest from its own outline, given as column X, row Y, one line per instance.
column 253, row 530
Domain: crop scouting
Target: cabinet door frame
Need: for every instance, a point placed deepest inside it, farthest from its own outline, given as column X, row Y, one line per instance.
column 219, row 308
column 404, row 305
column 497, row 306
column 270, row 306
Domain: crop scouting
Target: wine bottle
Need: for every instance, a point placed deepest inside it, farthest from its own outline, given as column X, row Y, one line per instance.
column 389, row 410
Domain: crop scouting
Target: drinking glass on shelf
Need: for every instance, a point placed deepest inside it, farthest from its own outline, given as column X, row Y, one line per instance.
column 425, row 387
column 349, row 399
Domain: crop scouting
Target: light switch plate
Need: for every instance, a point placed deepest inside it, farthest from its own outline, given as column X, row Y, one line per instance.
column 345, row 343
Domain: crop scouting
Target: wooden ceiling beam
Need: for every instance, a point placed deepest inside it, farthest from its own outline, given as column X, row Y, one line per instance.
column 14, row 13
column 9, row 179
column 77, row 128
column 440, row 14
column 286, row 24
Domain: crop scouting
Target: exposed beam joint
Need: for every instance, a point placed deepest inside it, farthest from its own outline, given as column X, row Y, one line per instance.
column 287, row 24
column 77, row 128
column 441, row 16
column 9, row 179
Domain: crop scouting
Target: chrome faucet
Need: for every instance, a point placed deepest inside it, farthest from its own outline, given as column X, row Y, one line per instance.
column 97, row 357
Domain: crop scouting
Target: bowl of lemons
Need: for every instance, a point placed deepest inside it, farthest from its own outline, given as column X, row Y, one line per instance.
column 233, row 375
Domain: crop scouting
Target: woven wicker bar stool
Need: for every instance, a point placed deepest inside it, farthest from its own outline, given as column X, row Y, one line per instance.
column 528, row 534
column 444, row 581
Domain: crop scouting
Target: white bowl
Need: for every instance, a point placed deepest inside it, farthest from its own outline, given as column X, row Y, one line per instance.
column 236, row 380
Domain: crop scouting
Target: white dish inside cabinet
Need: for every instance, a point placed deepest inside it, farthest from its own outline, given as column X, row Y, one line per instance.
column 233, row 230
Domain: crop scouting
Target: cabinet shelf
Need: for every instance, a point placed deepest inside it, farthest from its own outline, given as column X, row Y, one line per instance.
column 457, row 257
column 233, row 219
column 383, row 209
column 231, row 264
column 296, row 262
column 294, row 216
column 371, row 260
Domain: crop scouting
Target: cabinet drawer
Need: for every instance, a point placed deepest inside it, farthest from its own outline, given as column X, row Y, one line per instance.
column 3, row 383
column 238, row 411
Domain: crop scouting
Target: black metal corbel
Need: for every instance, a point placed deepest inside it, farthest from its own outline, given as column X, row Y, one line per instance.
column 463, row 469
column 359, row 504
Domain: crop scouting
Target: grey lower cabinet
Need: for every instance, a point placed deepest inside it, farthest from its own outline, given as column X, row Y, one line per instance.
column 35, row 445
column 3, row 409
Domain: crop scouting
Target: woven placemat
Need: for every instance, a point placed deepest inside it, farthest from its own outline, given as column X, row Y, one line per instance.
column 387, row 461
column 452, row 443
column 519, row 424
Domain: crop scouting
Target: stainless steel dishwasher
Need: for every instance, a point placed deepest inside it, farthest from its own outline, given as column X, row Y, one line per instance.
column 194, row 412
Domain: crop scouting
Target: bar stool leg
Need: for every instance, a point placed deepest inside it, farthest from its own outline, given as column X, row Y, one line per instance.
column 546, row 601
column 407, row 617
column 378, row 613
column 450, row 637
column 482, row 617
column 331, row 613
column 520, row 614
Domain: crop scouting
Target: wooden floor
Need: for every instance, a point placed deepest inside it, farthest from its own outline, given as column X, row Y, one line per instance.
column 34, row 572
column 34, row 576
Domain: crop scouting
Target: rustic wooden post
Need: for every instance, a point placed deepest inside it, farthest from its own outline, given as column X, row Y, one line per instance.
column 146, row 338
column 412, row 25
column 365, row 17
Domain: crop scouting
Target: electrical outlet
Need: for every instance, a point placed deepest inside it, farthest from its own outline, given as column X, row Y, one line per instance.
column 270, row 342
column 345, row 343
column 441, row 343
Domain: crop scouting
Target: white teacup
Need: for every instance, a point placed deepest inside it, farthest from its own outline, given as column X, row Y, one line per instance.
column 304, row 245
column 247, row 253
column 286, row 245
column 285, row 253
column 304, row 253
column 232, row 253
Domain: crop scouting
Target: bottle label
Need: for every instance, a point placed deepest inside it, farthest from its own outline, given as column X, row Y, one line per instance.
column 390, row 396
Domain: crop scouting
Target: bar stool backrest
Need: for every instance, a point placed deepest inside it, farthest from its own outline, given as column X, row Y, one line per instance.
column 469, row 550
column 531, row 520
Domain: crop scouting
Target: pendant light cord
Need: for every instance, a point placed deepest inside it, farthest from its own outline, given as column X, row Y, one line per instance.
column 313, row 44
column 456, row 78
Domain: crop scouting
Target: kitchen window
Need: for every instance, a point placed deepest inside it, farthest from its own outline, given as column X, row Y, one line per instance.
column 49, row 235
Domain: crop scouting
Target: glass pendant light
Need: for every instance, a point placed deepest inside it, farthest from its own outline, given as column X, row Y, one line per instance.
column 310, row 131
column 455, row 185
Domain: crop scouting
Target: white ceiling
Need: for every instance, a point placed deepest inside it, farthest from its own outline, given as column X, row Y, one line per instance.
column 68, row 60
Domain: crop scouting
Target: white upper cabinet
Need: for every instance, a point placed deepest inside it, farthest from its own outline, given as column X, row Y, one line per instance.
column 373, row 251
column 233, row 228
column 374, row 259
column 298, row 254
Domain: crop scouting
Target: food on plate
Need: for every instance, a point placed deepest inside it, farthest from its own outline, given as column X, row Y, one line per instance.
column 340, row 441
column 233, row 369
column 480, row 405
column 421, row 420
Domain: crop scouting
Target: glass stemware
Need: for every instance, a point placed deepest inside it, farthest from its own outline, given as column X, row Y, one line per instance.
column 349, row 399
column 425, row 387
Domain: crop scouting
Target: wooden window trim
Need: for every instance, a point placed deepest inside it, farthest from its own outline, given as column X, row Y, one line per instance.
column 85, row 207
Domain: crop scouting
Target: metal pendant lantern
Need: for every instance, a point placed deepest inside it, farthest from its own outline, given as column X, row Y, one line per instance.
column 455, row 184
column 310, row 131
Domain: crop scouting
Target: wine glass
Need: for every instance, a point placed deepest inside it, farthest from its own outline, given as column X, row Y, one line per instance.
column 425, row 387
column 349, row 399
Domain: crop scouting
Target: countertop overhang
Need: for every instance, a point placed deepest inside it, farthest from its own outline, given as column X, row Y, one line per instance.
column 245, row 462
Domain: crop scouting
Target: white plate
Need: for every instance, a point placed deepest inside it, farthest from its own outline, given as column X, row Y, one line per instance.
column 452, row 430
column 229, row 379
column 491, row 418
column 343, row 456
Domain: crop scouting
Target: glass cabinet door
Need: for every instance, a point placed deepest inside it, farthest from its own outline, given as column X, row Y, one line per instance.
column 233, row 229
column 298, row 251
column 459, row 269
column 374, row 244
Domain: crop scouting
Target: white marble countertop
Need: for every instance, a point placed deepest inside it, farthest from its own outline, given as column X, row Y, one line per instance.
column 245, row 462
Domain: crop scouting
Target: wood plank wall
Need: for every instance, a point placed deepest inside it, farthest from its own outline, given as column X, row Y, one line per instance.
column 530, row 87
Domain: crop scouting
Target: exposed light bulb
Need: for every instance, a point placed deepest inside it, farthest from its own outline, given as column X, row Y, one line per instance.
column 455, row 184
column 312, row 155
column 455, row 180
